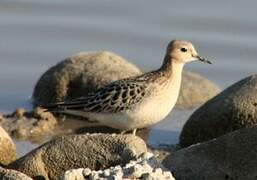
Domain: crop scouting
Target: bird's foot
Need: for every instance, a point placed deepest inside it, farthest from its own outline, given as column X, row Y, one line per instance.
column 133, row 132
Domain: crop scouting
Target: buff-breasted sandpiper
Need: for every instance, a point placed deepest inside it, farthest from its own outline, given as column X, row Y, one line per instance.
column 136, row 102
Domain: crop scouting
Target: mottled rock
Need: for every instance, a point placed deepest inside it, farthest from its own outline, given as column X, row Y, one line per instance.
column 234, row 108
column 229, row 157
column 78, row 75
column 94, row 151
column 7, row 148
column 35, row 125
column 145, row 167
column 195, row 90
column 9, row 174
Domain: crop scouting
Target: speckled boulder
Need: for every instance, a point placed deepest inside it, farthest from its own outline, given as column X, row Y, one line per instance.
column 195, row 90
column 229, row 157
column 234, row 108
column 8, row 174
column 7, row 148
column 94, row 151
column 80, row 74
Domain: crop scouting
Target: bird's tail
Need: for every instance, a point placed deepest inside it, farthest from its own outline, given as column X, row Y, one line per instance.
column 65, row 109
column 54, row 107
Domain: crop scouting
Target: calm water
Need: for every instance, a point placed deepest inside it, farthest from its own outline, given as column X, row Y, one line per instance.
column 36, row 34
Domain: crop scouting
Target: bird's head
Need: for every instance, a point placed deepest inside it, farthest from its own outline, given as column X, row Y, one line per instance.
column 183, row 52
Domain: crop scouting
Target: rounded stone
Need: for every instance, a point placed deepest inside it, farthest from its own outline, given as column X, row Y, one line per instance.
column 7, row 148
column 229, row 157
column 234, row 108
column 79, row 74
column 94, row 151
column 195, row 90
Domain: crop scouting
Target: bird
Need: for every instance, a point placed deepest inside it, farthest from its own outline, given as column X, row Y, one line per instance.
column 139, row 101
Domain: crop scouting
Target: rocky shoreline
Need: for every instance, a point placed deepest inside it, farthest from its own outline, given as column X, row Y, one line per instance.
column 217, row 141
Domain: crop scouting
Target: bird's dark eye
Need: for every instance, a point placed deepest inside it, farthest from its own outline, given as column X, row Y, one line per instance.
column 183, row 49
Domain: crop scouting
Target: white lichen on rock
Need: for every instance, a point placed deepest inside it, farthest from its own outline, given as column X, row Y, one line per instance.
column 145, row 167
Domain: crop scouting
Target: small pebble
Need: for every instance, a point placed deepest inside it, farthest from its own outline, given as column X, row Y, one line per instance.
column 86, row 172
column 94, row 175
column 167, row 174
column 19, row 112
column 147, row 155
column 158, row 171
column 106, row 173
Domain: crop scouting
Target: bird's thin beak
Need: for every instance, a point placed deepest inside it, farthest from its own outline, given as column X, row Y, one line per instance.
column 203, row 59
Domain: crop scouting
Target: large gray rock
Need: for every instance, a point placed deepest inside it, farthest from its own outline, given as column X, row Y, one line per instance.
column 234, row 108
column 230, row 157
column 7, row 148
column 9, row 174
column 81, row 73
column 195, row 90
column 94, row 151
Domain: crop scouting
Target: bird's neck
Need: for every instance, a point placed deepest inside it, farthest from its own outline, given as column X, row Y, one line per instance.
column 171, row 68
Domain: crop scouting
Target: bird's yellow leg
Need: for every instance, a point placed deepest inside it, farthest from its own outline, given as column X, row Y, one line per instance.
column 134, row 132
column 123, row 132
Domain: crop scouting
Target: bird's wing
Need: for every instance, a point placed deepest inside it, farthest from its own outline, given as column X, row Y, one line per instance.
column 115, row 97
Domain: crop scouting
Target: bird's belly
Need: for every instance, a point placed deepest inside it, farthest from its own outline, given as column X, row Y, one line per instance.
column 153, row 111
